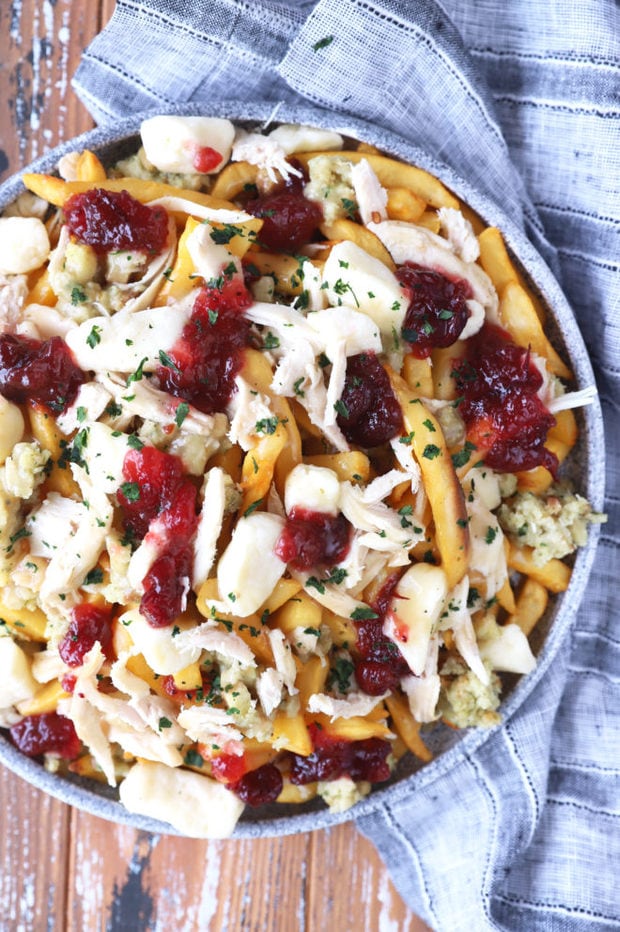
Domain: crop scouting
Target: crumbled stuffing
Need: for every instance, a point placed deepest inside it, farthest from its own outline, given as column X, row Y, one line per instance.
column 464, row 700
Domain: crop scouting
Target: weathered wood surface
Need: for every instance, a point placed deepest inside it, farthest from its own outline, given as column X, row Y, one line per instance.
column 64, row 870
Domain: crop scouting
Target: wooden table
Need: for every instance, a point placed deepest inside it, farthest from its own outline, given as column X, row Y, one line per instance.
column 62, row 869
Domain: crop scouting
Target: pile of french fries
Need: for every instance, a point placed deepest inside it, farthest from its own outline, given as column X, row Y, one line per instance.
column 413, row 196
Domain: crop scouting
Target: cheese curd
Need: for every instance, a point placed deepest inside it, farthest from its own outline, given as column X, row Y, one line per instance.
column 223, row 546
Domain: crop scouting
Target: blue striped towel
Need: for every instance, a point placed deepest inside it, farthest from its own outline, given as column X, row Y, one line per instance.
column 521, row 97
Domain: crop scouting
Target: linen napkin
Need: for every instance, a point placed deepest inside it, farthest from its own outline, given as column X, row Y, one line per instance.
column 520, row 97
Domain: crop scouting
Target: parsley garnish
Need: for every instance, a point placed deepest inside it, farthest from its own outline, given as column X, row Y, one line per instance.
column 267, row 425
column 322, row 43
column 341, row 408
column 362, row 614
column 138, row 374
column 431, row 451
column 463, row 456
column 78, row 296
column 167, row 361
column 181, row 413
column 95, row 576
column 193, row 759
column 270, row 341
column 226, row 233
column 251, row 508
column 313, row 582
column 131, row 491
column 134, row 442
column 93, row 337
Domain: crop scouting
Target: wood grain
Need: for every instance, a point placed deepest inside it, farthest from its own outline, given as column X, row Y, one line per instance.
column 61, row 869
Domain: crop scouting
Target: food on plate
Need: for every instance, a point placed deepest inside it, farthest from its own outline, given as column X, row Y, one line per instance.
column 280, row 439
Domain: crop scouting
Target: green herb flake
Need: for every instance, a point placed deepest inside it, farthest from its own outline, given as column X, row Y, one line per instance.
column 252, row 508
column 341, row 408
column 313, row 582
column 362, row 614
column 94, row 577
column 93, row 337
column 431, row 451
column 490, row 535
column 131, row 491
column 181, row 413
column 167, row 361
column 429, row 425
column 267, row 425
column 193, row 759
column 164, row 723
column 322, row 43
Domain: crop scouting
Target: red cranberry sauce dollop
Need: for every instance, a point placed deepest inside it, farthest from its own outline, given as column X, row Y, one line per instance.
column 289, row 219
column 205, row 159
column 260, row 786
column 156, row 490
column 369, row 413
column 109, row 220
column 331, row 759
column 48, row 733
column 313, row 539
column 38, row 370
column 498, row 384
column 437, row 311
column 209, row 353
column 88, row 624
column 381, row 665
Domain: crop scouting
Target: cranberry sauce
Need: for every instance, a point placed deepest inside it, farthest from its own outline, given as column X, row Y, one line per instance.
column 313, row 538
column 42, row 371
column 156, row 491
column 437, row 311
column 260, row 786
column 289, row 219
column 331, row 759
column 209, row 353
column 108, row 220
column 369, row 413
column 48, row 733
column 498, row 384
column 381, row 665
column 88, row 624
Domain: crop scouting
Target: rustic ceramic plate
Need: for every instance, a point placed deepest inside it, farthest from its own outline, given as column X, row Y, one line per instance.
column 585, row 467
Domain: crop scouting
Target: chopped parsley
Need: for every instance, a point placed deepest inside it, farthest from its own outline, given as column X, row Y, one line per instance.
column 94, row 577
column 431, row 451
column 78, row 296
column 181, row 413
column 223, row 235
column 93, row 337
column 362, row 614
column 131, row 491
column 267, row 425
column 167, row 361
column 322, row 43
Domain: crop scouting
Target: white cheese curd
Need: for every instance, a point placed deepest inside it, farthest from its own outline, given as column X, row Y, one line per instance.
column 415, row 609
column 24, row 245
column 314, row 488
column 360, row 280
column 195, row 805
column 422, row 691
column 505, row 647
column 159, row 646
column 11, row 427
column 299, row 138
column 17, row 682
column 242, row 589
column 128, row 340
column 171, row 143
column 210, row 521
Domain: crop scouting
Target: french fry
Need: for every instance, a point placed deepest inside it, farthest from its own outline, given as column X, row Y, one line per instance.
column 233, row 179
column 26, row 624
column 46, row 699
column 285, row 589
column 406, row 726
column 89, row 168
column 539, row 479
column 300, row 612
column 342, row 630
column 250, row 629
column 394, row 174
column 181, row 278
column 418, row 375
column 440, row 481
column 443, row 361
column 353, row 729
column 343, row 229
column 42, row 291
column 188, row 678
column 495, row 260
column 291, row 734
column 58, row 192
column 311, row 679
column 518, row 316
column 553, row 575
column 351, row 466
column 292, row 793
column 505, row 596
column 565, row 428
column 403, row 204
column 430, row 221
column 530, row 605
column 44, row 430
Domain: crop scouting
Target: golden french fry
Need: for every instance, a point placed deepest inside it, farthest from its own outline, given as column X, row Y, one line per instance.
column 565, row 428
column 188, row 678
column 430, row 221
column 343, row 229
column 291, row 734
column 418, row 375
column 426, row 440
column 530, row 605
column 352, row 466
column 45, row 700
column 233, row 179
column 403, row 204
column 394, row 174
column 181, row 278
column 553, row 575
column 300, row 612
column 311, row 679
column 518, row 315
column 42, row 292
column 539, row 479
column 89, row 168
column 505, row 596
column 342, row 630
column 26, row 624
column 495, row 260
column 353, row 729
column 284, row 590
column 406, row 726
column 57, row 191
column 44, row 430
column 443, row 361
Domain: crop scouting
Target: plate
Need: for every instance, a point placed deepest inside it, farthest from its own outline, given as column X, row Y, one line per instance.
column 585, row 468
